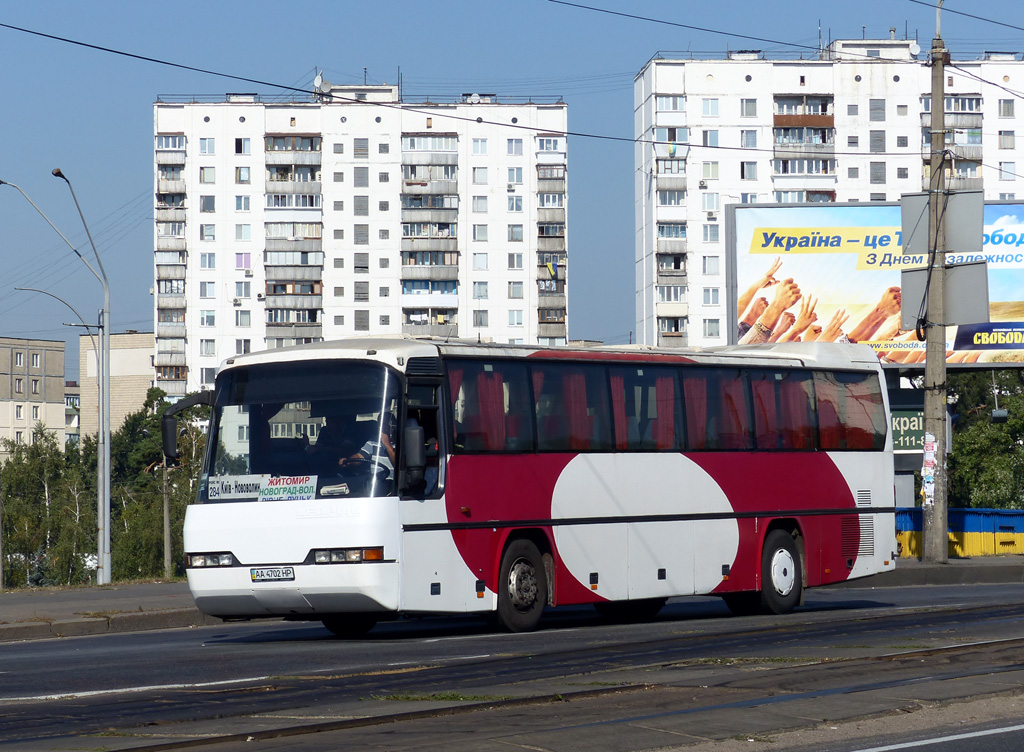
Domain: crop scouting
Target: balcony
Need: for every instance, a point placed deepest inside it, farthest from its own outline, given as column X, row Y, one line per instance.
column 173, row 388
column 170, row 301
column 170, row 271
column 672, row 310
column 547, row 329
column 430, row 244
column 430, row 158
column 430, row 271
column 294, row 331
column 671, row 245
column 671, row 182
column 804, row 150
column 170, row 243
column 294, row 273
column 296, row 244
column 295, row 302
column 672, row 339
column 430, row 215
column 960, row 183
column 170, row 186
column 165, row 329
column 431, row 330
column 954, row 120
column 551, row 245
column 804, row 121
column 293, row 186
column 293, row 158
column 969, row 152
column 672, row 276
column 430, row 187
column 171, row 157
column 551, row 186
column 169, row 359
column 170, row 215
column 551, row 300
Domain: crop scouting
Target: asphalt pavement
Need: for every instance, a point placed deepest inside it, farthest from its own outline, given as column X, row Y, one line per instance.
column 42, row 613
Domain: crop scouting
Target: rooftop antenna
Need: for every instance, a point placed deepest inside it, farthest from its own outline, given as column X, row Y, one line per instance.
column 364, row 75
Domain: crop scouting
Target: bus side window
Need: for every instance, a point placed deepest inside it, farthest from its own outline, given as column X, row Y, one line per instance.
column 490, row 406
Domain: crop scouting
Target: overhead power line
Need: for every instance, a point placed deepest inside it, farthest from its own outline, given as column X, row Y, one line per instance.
column 968, row 15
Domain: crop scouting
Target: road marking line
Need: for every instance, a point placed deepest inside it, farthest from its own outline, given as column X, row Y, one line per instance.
column 954, row 738
column 131, row 690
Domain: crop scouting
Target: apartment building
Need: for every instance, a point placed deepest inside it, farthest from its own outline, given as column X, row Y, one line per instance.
column 131, row 376
column 852, row 124
column 31, row 388
column 354, row 212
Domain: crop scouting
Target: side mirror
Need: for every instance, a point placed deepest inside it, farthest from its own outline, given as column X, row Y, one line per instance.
column 169, row 435
column 414, row 452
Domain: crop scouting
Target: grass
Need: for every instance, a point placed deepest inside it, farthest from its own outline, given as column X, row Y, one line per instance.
column 440, row 697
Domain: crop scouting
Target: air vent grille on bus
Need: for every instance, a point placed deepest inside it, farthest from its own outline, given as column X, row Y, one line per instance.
column 849, row 537
column 424, row 367
column 867, row 536
column 864, row 498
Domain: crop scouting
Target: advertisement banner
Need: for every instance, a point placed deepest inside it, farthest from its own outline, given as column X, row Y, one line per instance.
column 831, row 272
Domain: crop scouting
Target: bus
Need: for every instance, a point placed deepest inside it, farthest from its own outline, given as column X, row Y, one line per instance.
column 371, row 478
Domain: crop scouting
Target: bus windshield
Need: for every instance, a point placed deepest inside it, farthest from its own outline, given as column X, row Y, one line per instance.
column 322, row 429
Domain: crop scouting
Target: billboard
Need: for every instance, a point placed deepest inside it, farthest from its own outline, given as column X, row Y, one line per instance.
column 832, row 272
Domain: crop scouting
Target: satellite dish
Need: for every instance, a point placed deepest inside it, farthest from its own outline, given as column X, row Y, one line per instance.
column 474, row 98
column 325, row 85
column 915, row 49
column 318, row 82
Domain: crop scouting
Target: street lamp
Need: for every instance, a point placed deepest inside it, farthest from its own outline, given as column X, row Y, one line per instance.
column 103, row 384
column 103, row 570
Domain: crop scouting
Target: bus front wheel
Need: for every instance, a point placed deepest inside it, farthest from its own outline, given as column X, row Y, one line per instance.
column 781, row 573
column 523, row 587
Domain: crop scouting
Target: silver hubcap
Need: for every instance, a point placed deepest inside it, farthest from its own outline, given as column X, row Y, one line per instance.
column 783, row 571
column 522, row 585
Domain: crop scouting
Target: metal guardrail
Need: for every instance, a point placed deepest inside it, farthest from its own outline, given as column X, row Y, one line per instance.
column 972, row 532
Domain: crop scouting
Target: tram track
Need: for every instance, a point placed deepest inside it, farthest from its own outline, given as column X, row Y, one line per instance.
column 664, row 663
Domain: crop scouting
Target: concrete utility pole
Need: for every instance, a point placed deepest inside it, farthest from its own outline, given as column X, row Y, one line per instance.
column 934, row 513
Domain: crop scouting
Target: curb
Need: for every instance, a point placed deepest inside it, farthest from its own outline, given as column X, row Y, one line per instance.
column 140, row 621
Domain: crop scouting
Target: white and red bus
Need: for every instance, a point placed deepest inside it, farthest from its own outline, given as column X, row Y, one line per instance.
column 359, row 480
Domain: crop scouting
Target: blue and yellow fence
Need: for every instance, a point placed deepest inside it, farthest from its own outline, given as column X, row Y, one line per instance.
column 972, row 532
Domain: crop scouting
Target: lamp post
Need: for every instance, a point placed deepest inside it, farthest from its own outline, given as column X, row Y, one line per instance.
column 103, row 571
column 103, row 384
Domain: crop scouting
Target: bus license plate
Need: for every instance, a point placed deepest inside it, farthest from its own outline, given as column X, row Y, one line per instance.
column 272, row 574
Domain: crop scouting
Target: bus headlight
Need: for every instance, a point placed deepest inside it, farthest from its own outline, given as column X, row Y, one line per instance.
column 210, row 560
column 347, row 555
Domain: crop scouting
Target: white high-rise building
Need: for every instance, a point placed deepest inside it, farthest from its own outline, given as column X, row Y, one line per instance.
column 852, row 124
column 352, row 213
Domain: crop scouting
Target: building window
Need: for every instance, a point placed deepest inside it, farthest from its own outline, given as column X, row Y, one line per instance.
column 1006, row 139
column 361, row 177
column 207, row 260
column 207, row 204
column 876, row 110
column 877, row 173
column 712, row 328
column 709, row 170
column 383, row 206
column 480, row 146
column 710, row 296
column 361, row 292
column 515, row 175
column 480, row 204
column 480, row 262
column 19, row 386
column 339, row 177
column 384, row 235
column 35, row 412
column 1007, row 170
column 1006, row 108
column 207, row 289
column 243, row 289
column 748, row 198
column 515, row 147
column 361, row 148
column 241, row 146
column 361, row 263
column 241, row 174
column 243, row 232
column 207, row 174
column 515, row 203
column 671, row 103
column 207, row 318
column 479, row 318
column 361, row 206
column 710, row 233
column 710, row 265
column 709, row 107
column 515, row 233
column 207, row 232
column 515, row 290
column 748, row 139
column 480, row 233
column 902, row 110
column 19, row 412
column 710, row 138
column 671, row 198
column 709, row 201
column 243, row 260
column 748, row 170
column 853, row 172
column 748, row 108
column 479, row 176
column 851, row 109
column 208, row 375
column 877, row 197
column 853, row 141
column 515, row 317
column 902, row 142
column 902, row 173
column 1007, row 196
column 243, row 318
column 242, row 203
column 19, row 359
column 361, row 234
column 480, row 290
column 515, row 261
column 876, row 142
column 35, row 360
column 207, row 347
column 206, row 146
column 548, row 144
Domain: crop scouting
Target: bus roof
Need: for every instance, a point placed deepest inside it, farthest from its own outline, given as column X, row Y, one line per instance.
column 396, row 350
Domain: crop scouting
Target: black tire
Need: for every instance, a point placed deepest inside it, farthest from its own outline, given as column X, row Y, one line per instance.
column 781, row 573
column 642, row 609
column 350, row 625
column 744, row 604
column 522, row 587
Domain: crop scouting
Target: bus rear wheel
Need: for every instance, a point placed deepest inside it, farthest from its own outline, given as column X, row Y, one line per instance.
column 523, row 587
column 781, row 573
column 349, row 625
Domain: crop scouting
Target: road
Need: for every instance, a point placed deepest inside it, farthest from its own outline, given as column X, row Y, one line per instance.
column 694, row 674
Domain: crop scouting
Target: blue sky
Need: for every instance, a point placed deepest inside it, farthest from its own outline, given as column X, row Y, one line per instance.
column 90, row 112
